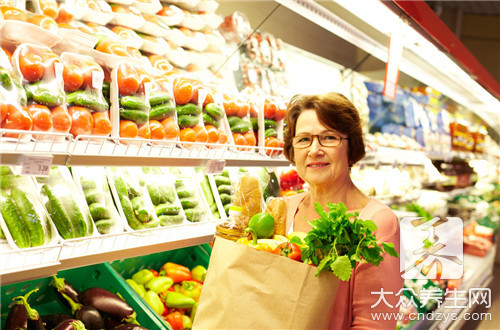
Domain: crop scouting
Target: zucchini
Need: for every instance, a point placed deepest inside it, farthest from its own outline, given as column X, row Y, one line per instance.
column 133, row 102
column 99, row 211
column 208, row 120
column 30, row 217
column 169, row 220
column 214, row 111
column 137, row 116
column 188, row 109
column 17, row 227
column 58, row 214
column 225, row 198
column 189, row 203
column 162, row 111
column 185, row 193
column 221, row 180
column 158, row 98
column 167, row 209
column 187, row 121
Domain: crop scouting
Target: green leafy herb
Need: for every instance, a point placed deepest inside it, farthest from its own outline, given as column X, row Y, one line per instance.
column 337, row 240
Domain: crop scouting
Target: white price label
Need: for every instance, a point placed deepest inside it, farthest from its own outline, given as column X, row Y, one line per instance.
column 38, row 165
column 97, row 79
column 214, row 166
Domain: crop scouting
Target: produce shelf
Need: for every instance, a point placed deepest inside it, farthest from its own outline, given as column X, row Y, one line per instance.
column 22, row 265
column 395, row 156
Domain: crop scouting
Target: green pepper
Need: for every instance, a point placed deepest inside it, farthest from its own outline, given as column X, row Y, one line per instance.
column 143, row 276
column 154, row 301
column 198, row 273
column 139, row 288
column 178, row 300
column 261, row 225
column 186, row 322
column 191, row 289
column 159, row 284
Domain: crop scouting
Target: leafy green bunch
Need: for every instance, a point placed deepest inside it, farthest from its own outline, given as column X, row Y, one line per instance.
column 337, row 240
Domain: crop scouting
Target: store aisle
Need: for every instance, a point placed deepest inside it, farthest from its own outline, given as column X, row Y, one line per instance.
column 494, row 323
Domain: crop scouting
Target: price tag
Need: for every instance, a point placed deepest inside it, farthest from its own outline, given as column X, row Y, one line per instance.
column 38, row 165
column 97, row 79
column 214, row 166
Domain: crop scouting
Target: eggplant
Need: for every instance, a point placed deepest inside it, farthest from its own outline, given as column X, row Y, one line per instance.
column 110, row 323
column 62, row 286
column 129, row 326
column 90, row 317
column 34, row 321
column 52, row 320
column 17, row 317
column 109, row 303
column 70, row 324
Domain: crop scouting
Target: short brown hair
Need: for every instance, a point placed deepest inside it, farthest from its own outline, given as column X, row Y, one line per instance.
column 335, row 111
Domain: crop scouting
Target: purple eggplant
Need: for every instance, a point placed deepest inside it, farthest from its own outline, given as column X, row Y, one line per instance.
column 17, row 317
column 62, row 286
column 34, row 321
column 52, row 320
column 70, row 324
column 90, row 316
column 129, row 326
column 110, row 323
column 109, row 303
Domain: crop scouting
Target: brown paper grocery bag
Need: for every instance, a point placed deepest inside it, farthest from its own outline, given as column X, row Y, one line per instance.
column 250, row 289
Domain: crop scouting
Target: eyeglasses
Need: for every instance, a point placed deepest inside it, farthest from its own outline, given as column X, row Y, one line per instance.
column 325, row 140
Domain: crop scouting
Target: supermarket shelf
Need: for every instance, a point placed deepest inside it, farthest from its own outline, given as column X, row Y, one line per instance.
column 27, row 264
column 456, row 155
column 394, row 156
column 107, row 151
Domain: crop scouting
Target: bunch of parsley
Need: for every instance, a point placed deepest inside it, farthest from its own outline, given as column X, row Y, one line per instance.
column 338, row 240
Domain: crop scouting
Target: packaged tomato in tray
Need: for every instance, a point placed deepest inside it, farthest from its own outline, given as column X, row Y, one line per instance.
column 130, row 105
column 41, row 73
column 237, row 111
column 23, row 218
column 163, row 114
column 83, row 84
column 13, row 101
column 271, row 125
column 128, row 17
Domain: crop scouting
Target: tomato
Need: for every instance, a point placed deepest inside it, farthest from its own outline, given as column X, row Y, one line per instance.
column 253, row 110
column 73, row 77
column 102, row 124
column 239, row 140
column 291, row 175
column 250, row 138
column 42, row 117
column 213, row 134
column 112, row 47
column 13, row 13
column 160, row 63
column 63, row 15
column 157, row 130
column 61, row 119
column 128, row 80
column 144, row 131
column 269, row 109
column 82, row 121
column 87, row 68
column 201, row 134
column 17, row 118
column 187, row 135
column 4, row 110
column 271, row 142
column 243, row 109
column 289, row 250
column 171, row 128
column 183, row 91
column 31, row 66
column 45, row 22
column 230, row 107
column 49, row 7
column 143, row 79
column 128, row 129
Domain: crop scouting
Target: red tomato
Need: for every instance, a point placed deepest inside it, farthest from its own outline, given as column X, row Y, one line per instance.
column 243, row 109
column 143, row 79
column 280, row 113
column 183, row 91
column 271, row 142
column 231, row 108
column 42, row 117
column 269, row 109
column 128, row 80
column 31, row 66
column 18, row 119
column 82, row 121
column 73, row 77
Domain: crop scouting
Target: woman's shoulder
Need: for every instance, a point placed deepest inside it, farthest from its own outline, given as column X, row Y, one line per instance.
column 386, row 220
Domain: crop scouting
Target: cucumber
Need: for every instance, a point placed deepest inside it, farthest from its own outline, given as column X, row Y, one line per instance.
column 93, row 196
column 225, row 198
column 187, row 121
column 58, row 214
column 179, row 183
column 255, row 124
column 30, row 217
column 225, row 189
column 140, row 211
column 268, row 123
column 106, row 89
column 184, row 193
column 270, row 132
column 133, row 102
column 169, row 220
column 75, row 215
column 225, row 173
column 7, row 181
column 162, row 111
column 137, row 116
column 208, row 120
column 220, row 180
column 242, row 127
column 226, row 208
column 207, row 192
column 158, row 98
column 194, row 214
column 168, row 193
column 188, row 109
column 155, row 194
column 88, row 100
column 104, row 225
column 233, row 120
column 189, row 203
column 17, row 227
column 128, row 211
column 5, row 79
column 99, row 211
column 167, row 209
column 216, row 215
column 43, row 96
column 5, row 170
column 124, row 189
column 88, row 184
column 214, row 111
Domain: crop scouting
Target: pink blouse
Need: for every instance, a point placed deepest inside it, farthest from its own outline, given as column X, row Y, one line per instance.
column 355, row 297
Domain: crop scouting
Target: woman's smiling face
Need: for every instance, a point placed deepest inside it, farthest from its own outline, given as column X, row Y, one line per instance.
column 317, row 165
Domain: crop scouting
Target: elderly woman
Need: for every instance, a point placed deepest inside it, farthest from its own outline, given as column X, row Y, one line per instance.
column 323, row 140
